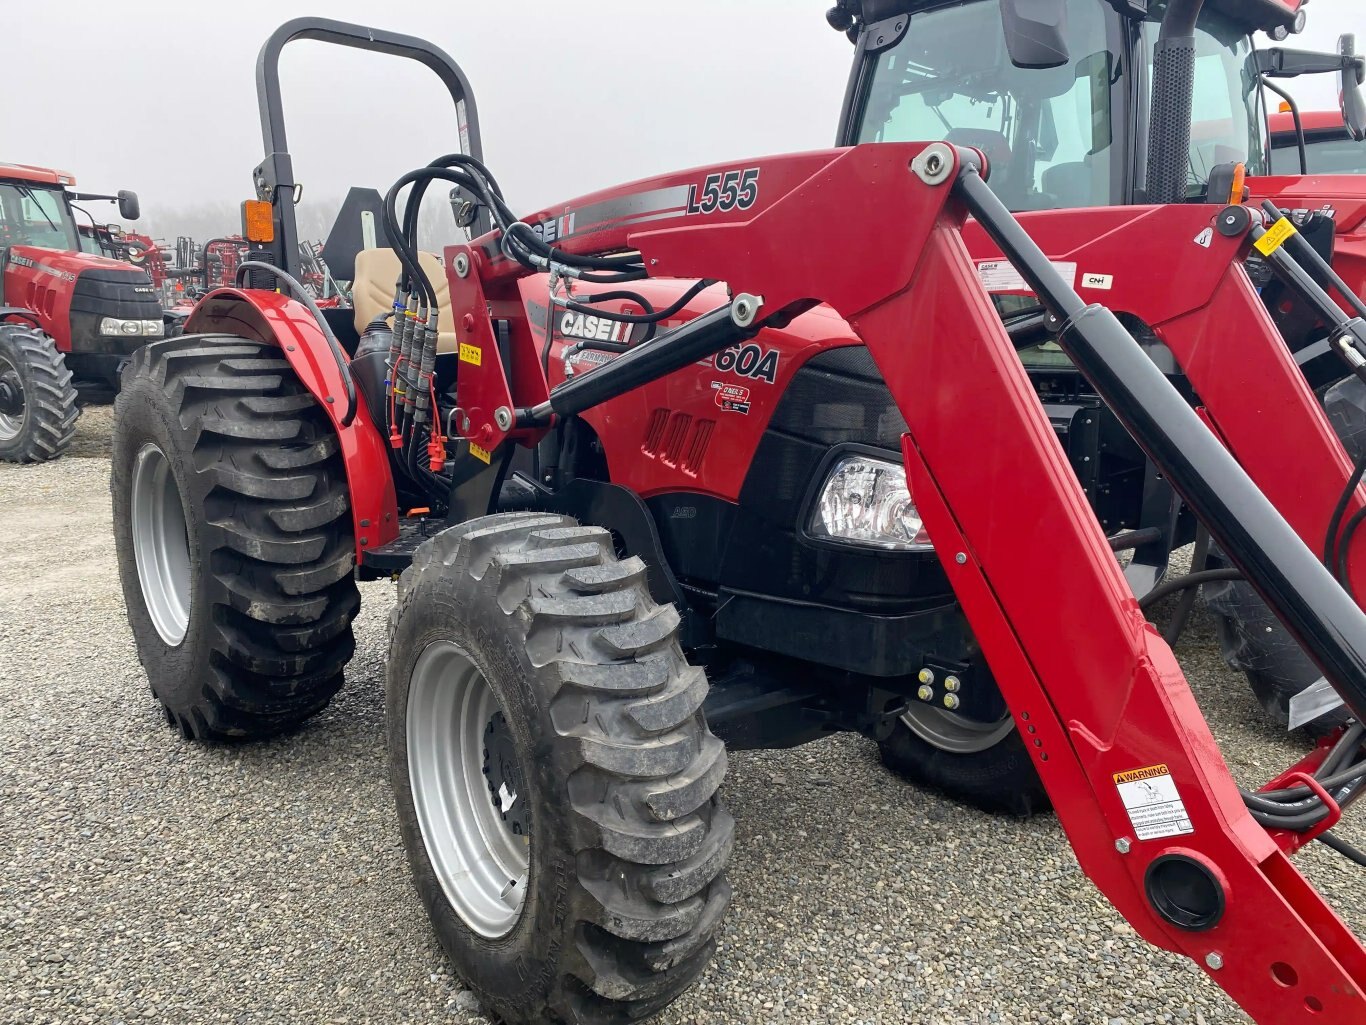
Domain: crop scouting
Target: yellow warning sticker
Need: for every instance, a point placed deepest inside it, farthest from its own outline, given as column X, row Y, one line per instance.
column 1276, row 236
column 1137, row 775
column 1154, row 805
column 482, row 454
column 471, row 354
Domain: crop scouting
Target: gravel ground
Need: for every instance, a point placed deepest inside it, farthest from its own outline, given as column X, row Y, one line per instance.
column 142, row 878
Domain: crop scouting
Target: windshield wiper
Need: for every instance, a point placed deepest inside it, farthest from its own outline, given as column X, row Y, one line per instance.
column 32, row 197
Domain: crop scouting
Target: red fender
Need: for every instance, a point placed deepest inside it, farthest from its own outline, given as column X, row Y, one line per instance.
column 274, row 319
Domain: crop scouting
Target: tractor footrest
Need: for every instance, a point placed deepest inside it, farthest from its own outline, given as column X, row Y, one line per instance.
column 397, row 555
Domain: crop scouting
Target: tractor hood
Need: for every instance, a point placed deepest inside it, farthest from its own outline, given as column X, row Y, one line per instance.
column 60, row 263
column 83, row 301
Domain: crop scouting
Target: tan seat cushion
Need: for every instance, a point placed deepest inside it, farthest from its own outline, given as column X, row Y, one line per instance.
column 372, row 293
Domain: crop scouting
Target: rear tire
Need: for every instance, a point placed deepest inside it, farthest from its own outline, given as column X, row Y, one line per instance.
column 1253, row 641
column 998, row 778
column 620, row 849
column 40, row 414
column 234, row 538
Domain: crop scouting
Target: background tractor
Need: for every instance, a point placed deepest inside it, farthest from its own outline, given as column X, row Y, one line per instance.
column 1328, row 144
column 64, row 312
column 679, row 478
column 1061, row 98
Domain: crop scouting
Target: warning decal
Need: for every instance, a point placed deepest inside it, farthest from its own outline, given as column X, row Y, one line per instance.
column 1276, row 236
column 1153, row 803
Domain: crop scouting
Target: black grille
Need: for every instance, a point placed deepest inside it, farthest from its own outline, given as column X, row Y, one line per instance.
column 99, row 293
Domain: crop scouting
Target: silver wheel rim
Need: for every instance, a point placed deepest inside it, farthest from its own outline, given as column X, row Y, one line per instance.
column 10, row 426
column 161, row 546
column 481, row 864
column 955, row 733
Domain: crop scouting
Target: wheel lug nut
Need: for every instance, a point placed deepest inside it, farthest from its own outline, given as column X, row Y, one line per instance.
column 951, row 701
column 926, row 676
column 925, row 693
column 952, row 684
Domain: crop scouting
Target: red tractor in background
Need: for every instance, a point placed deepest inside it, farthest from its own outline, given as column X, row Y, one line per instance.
column 1071, row 118
column 1329, row 147
column 65, row 313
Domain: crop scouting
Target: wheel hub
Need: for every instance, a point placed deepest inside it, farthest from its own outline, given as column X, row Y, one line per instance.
column 11, row 394
column 467, row 788
column 161, row 546
column 11, row 401
column 504, row 776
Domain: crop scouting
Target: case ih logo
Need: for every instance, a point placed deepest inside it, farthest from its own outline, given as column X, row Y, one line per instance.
column 593, row 329
column 554, row 229
column 42, row 268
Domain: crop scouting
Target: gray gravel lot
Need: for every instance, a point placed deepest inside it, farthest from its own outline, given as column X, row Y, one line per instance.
column 142, row 878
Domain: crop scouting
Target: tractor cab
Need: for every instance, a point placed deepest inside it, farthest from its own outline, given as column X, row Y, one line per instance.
column 1059, row 95
column 36, row 209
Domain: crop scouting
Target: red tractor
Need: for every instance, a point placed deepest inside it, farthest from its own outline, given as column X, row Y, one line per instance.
column 64, row 312
column 663, row 471
column 1329, row 147
column 1070, row 116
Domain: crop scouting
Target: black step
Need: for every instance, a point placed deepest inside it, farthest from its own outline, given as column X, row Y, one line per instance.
column 397, row 555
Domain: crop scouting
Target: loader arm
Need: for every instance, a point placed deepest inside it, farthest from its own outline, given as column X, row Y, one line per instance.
column 1104, row 705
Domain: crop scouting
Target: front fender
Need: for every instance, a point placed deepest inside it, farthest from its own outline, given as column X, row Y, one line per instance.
column 275, row 319
column 18, row 313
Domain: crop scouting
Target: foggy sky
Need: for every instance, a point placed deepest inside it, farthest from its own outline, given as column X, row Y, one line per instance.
column 159, row 95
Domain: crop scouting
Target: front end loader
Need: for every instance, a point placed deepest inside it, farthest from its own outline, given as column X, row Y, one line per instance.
column 568, row 440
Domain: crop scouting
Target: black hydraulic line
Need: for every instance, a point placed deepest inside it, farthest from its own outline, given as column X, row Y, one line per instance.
column 1342, row 847
column 1247, row 527
column 1132, row 539
column 1344, row 548
column 1330, row 543
column 301, row 293
column 1298, row 119
column 1191, row 580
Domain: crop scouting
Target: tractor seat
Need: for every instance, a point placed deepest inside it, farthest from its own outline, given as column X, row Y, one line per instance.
column 372, row 292
column 995, row 145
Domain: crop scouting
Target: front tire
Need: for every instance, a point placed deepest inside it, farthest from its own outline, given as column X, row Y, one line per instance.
column 38, row 410
column 554, row 776
column 233, row 532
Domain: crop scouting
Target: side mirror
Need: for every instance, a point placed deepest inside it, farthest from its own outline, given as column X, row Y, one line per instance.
column 1036, row 32
column 129, row 209
column 1353, row 103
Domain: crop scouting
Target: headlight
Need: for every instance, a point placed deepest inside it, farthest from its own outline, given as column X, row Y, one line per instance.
column 145, row 328
column 865, row 501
